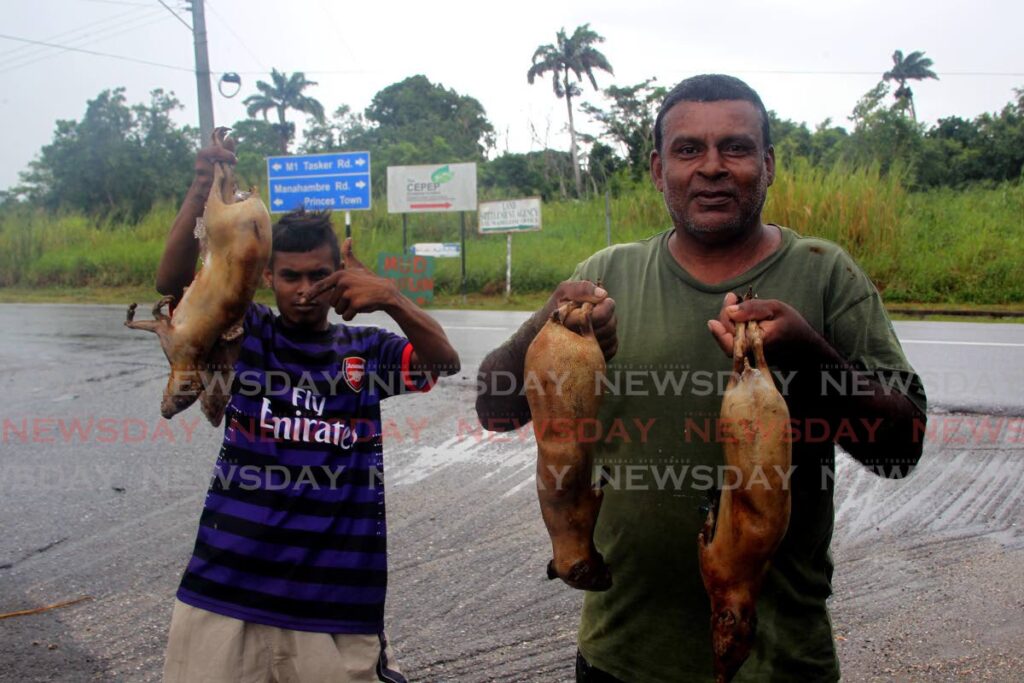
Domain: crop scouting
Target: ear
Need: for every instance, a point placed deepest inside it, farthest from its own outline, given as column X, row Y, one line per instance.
column 656, row 169
column 268, row 277
column 769, row 163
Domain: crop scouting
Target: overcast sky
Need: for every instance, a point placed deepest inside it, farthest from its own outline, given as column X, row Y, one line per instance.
column 810, row 60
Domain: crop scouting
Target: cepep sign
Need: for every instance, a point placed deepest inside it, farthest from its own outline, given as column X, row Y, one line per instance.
column 424, row 189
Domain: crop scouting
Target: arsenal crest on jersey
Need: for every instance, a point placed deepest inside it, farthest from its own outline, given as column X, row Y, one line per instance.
column 354, row 371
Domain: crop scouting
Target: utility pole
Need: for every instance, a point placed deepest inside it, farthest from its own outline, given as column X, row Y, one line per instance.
column 202, row 73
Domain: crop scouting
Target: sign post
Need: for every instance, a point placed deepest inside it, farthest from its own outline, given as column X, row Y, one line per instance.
column 462, row 240
column 339, row 181
column 509, row 216
column 508, row 265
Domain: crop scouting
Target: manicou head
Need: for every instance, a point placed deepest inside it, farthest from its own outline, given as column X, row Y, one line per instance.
column 733, row 628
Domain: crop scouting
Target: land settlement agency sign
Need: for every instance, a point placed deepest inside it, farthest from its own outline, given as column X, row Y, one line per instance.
column 511, row 215
column 421, row 189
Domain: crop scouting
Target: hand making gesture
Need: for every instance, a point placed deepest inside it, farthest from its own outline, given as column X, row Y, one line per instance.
column 354, row 288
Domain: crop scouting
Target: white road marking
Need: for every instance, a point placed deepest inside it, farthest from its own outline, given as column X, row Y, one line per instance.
column 961, row 343
column 942, row 342
column 936, row 342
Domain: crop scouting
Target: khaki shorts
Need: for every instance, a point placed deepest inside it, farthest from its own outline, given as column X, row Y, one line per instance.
column 204, row 647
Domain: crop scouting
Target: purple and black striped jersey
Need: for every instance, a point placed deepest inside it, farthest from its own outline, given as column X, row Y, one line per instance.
column 293, row 532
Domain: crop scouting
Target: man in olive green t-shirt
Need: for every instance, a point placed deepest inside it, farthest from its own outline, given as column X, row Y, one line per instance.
column 667, row 334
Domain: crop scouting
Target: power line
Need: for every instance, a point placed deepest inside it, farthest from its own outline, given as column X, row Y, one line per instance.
column 942, row 74
column 983, row 73
column 359, row 71
column 341, row 36
column 28, row 54
column 785, row 72
column 308, row 73
column 38, row 54
column 241, row 42
column 84, row 29
column 168, row 7
column 76, row 36
column 96, row 53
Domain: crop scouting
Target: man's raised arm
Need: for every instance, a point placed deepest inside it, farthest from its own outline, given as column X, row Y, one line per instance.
column 178, row 263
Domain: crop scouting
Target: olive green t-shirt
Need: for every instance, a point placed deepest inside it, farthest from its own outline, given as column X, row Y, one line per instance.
column 661, row 460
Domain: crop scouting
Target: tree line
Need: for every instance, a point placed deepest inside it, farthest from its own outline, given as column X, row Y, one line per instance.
column 121, row 158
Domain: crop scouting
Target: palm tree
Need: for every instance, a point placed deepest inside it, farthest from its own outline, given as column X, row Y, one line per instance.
column 913, row 67
column 284, row 93
column 575, row 54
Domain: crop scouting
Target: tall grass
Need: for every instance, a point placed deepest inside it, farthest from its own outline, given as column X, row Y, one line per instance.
column 861, row 209
column 939, row 246
column 962, row 246
column 70, row 249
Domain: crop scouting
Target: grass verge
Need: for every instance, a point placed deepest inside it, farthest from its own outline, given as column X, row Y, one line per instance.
column 528, row 301
column 941, row 248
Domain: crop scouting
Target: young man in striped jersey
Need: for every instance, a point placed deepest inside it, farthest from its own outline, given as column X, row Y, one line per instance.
column 288, row 575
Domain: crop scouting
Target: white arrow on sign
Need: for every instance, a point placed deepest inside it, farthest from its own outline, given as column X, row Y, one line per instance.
column 360, row 162
column 278, row 202
column 276, row 166
column 360, row 184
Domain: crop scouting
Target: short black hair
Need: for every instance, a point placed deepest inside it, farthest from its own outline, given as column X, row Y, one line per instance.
column 301, row 231
column 711, row 88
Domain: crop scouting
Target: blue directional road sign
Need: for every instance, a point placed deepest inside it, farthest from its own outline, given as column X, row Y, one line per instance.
column 339, row 181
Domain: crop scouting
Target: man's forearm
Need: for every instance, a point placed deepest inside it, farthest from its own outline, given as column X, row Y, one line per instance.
column 434, row 353
column 500, row 403
column 178, row 263
column 877, row 424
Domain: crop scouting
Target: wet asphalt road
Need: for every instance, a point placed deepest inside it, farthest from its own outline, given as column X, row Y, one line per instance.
column 100, row 497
